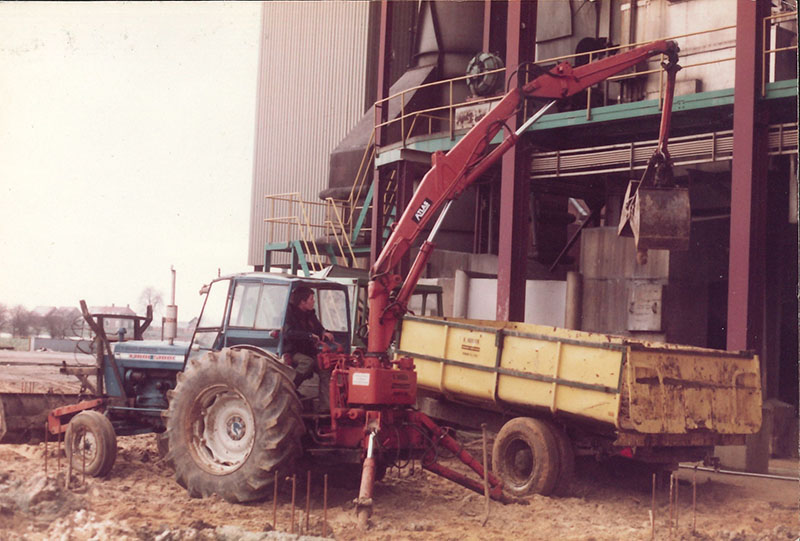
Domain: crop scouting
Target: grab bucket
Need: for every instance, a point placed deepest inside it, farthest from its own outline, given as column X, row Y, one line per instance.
column 658, row 218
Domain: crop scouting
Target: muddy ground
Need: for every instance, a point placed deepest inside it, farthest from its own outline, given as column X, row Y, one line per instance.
column 140, row 500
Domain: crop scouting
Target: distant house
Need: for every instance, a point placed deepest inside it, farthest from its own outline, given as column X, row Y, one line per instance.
column 111, row 325
column 42, row 311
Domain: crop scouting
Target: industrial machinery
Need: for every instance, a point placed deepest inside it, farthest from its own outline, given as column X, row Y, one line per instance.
column 231, row 418
column 655, row 211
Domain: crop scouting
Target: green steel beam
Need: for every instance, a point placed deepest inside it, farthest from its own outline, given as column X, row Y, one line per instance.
column 301, row 257
column 362, row 216
column 623, row 111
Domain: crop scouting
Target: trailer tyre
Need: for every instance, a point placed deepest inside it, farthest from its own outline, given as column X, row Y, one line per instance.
column 525, row 457
column 566, row 461
column 233, row 421
column 91, row 436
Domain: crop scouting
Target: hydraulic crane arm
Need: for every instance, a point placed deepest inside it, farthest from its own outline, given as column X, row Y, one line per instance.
column 453, row 172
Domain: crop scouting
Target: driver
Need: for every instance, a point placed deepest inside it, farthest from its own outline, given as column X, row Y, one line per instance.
column 302, row 334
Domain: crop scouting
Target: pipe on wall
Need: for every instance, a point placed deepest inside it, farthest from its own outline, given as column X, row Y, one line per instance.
column 574, row 302
column 460, row 294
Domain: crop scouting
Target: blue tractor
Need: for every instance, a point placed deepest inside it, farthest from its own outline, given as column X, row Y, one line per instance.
column 206, row 397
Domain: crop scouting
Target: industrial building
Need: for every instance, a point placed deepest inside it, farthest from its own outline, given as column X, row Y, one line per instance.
column 354, row 98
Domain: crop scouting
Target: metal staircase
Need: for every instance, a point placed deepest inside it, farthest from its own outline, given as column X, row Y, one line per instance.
column 328, row 232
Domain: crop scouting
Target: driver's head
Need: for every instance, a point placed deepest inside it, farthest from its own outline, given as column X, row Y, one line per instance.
column 303, row 298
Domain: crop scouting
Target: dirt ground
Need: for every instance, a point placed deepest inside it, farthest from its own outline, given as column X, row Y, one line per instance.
column 140, row 500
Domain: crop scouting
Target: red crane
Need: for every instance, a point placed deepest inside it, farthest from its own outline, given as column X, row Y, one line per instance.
column 371, row 395
column 452, row 172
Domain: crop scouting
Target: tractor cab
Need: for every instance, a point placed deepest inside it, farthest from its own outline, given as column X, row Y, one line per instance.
column 250, row 310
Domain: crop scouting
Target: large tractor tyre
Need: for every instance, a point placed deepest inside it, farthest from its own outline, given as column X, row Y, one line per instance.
column 525, row 457
column 90, row 440
column 566, row 461
column 233, row 422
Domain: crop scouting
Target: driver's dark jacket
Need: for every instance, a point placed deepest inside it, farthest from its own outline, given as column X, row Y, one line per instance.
column 300, row 325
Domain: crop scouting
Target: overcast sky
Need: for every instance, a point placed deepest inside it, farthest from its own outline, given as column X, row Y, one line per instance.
column 126, row 145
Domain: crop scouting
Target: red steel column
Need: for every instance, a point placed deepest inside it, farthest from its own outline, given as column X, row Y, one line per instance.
column 512, row 260
column 747, row 267
column 382, row 114
column 747, row 260
column 487, row 24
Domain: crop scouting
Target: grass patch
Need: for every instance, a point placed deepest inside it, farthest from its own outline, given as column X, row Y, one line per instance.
column 17, row 344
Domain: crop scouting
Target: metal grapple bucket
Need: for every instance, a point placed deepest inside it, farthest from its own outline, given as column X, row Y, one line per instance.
column 659, row 218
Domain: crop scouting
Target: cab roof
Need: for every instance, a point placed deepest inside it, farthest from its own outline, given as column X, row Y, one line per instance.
column 279, row 278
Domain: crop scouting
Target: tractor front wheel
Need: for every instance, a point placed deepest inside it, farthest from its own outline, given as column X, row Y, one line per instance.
column 233, row 421
column 90, row 442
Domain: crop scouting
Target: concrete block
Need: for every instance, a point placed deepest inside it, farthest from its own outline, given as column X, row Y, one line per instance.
column 732, row 457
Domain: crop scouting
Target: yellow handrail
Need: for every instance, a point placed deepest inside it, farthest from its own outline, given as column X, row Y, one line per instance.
column 301, row 224
column 771, row 21
column 449, row 108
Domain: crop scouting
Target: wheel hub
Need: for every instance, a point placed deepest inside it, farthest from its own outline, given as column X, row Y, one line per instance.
column 86, row 445
column 236, row 428
column 223, row 429
column 521, row 460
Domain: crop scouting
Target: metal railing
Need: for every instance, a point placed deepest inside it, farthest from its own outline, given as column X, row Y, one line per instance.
column 772, row 23
column 293, row 219
column 340, row 222
column 354, row 209
column 628, row 157
column 446, row 113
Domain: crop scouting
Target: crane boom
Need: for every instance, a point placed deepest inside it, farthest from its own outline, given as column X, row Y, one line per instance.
column 452, row 172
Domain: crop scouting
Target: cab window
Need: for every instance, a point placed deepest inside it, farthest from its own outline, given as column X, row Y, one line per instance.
column 258, row 306
column 214, row 308
column 332, row 309
column 211, row 320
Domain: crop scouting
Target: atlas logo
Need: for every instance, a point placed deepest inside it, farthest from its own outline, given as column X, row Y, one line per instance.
column 422, row 210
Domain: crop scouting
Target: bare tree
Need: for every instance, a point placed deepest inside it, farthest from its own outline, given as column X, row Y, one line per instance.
column 3, row 316
column 153, row 297
column 58, row 321
column 21, row 321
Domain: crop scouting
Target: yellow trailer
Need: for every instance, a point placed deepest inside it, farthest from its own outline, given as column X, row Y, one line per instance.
column 616, row 395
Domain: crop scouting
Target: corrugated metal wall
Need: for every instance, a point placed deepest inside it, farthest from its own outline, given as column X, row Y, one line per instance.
column 310, row 93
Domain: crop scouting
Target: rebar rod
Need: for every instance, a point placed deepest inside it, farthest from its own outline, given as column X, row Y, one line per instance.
column 308, row 497
column 694, row 500
column 275, row 503
column 485, row 474
column 653, row 510
column 325, row 506
column 46, row 449
column 294, row 493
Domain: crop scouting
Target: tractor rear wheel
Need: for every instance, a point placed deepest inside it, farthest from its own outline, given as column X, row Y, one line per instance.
column 525, row 457
column 90, row 440
column 233, row 421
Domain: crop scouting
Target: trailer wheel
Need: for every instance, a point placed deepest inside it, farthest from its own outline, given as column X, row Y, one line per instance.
column 525, row 457
column 91, row 437
column 233, row 421
column 566, row 461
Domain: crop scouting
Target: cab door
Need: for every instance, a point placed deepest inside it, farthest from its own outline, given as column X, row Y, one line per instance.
column 256, row 314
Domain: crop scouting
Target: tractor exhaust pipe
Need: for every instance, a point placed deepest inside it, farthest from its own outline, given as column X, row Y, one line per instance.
column 171, row 314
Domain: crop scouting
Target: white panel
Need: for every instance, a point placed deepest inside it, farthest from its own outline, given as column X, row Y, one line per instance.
column 545, row 301
column 311, row 92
